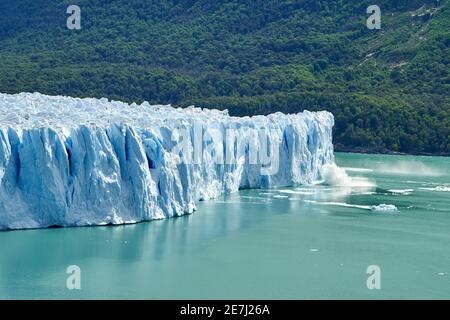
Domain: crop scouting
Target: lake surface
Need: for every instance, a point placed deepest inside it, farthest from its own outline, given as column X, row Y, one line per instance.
column 289, row 243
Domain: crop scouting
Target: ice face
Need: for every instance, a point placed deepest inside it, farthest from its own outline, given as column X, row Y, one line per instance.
column 73, row 162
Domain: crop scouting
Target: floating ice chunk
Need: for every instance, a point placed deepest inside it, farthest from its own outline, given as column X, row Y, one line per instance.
column 296, row 192
column 384, row 207
column 279, row 196
column 401, row 191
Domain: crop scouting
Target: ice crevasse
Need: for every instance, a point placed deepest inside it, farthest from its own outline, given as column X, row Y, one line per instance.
column 74, row 162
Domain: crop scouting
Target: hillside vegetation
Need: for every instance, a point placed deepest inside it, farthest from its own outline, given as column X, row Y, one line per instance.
column 388, row 89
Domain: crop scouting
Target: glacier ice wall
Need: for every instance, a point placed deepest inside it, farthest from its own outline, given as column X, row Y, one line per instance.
column 73, row 162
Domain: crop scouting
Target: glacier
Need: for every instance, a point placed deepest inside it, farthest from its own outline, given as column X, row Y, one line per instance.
column 76, row 162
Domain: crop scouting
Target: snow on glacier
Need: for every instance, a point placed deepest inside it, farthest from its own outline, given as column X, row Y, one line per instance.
column 73, row 162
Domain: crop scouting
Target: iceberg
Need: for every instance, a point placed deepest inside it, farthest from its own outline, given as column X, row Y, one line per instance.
column 77, row 162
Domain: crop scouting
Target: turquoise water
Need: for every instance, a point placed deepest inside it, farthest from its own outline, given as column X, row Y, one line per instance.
column 289, row 243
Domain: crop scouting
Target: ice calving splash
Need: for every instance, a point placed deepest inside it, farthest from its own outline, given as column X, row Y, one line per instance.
column 71, row 162
column 333, row 175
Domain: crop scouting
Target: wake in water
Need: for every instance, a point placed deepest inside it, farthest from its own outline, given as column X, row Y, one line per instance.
column 443, row 188
column 405, row 192
column 381, row 207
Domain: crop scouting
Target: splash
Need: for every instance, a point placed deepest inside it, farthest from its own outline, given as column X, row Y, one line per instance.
column 333, row 175
column 415, row 168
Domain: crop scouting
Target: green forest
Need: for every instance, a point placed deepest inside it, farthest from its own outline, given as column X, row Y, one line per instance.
column 388, row 89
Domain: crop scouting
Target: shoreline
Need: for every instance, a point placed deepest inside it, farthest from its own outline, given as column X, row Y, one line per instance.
column 343, row 149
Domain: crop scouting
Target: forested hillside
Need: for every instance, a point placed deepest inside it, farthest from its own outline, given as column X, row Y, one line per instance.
column 388, row 89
